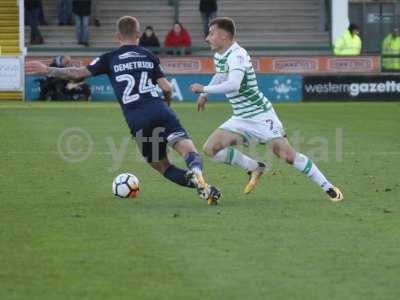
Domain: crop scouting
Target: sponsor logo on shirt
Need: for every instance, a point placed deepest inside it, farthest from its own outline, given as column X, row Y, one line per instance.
column 130, row 54
column 240, row 59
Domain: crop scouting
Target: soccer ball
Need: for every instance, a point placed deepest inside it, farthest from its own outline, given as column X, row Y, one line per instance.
column 125, row 186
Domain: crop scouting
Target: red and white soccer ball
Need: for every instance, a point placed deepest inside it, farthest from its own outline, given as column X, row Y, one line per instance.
column 126, row 186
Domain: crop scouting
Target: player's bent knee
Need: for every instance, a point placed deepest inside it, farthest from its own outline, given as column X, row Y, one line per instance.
column 290, row 154
column 211, row 150
column 208, row 150
column 276, row 150
column 286, row 153
column 290, row 158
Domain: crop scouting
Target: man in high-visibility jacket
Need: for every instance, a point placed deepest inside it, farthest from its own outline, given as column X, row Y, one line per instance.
column 391, row 46
column 349, row 43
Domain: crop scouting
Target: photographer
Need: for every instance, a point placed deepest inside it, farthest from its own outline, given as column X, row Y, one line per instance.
column 56, row 89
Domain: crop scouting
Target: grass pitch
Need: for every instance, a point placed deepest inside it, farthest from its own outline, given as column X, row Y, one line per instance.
column 64, row 236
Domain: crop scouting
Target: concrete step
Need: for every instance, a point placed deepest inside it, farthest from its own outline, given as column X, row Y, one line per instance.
column 259, row 22
column 10, row 96
column 8, row 36
column 7, row 5
column 9, row 10
column 137, row 13
column 9, row 29
column 222, row 4
column 272, row 39
column 261, row 19
column 265, row 10
column 134, row 7
column 161, row 32
column 7, row 23
column 9, row 49
column 270, row 27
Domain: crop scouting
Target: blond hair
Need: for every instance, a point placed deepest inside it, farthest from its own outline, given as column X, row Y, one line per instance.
column 128, row 27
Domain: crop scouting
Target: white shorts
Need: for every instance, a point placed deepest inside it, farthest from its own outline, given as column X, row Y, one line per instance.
column 259, row 129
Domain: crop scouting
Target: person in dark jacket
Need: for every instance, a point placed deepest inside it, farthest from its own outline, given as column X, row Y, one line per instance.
column 33, row 11
column 58, row 89
column 149, row 39
column 64, row 11
column 208, row 10
column 82, row 11
column 95, row 13
column 54, row 88
column 42, row 18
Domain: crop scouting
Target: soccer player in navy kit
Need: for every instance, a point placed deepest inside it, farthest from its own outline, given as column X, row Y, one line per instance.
column 133, row 72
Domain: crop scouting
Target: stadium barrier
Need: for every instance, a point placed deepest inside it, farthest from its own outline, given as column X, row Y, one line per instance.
column 392, row 63
column 263, row 65
column 351, row 88
column 278, row 88
column 281, row 79
column 11, row 77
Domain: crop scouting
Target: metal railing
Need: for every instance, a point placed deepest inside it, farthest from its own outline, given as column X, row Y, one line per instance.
column 185, row 51
column 175, row 4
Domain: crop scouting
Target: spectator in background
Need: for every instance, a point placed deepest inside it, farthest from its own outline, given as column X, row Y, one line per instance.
column 42, row 19
column 62, row 61
column 33, row 10
column 350, row 43
column 149, row 39
column 54, row 88
column 95, row 13
column 58, row 89
column 178, row 37
column 64, row 11
column 82, row 10
column 208, row 10
column 391, row 46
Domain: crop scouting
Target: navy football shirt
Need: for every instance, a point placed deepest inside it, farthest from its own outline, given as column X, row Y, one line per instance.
column 133, row 72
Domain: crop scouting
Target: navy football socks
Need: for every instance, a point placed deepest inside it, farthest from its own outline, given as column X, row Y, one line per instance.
column 194, row 162
column 177, row 176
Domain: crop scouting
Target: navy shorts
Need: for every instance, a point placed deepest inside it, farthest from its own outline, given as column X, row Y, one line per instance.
column 154, row 126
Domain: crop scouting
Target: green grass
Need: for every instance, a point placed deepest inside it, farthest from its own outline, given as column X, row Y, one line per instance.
column 63, row 235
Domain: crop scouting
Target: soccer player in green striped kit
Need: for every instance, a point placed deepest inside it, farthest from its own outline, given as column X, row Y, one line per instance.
column 254, row 118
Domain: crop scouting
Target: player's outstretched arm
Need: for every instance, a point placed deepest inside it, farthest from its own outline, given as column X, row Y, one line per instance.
column 232, row 84
column 202, row 99
column 166, row 88
column 39, row 68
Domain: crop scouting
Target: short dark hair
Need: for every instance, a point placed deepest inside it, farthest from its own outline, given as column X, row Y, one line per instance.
column 128, row 26
column 226, row 24
column 353, row 27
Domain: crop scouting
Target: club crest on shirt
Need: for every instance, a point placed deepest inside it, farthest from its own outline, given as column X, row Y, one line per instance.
column 240, row 59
